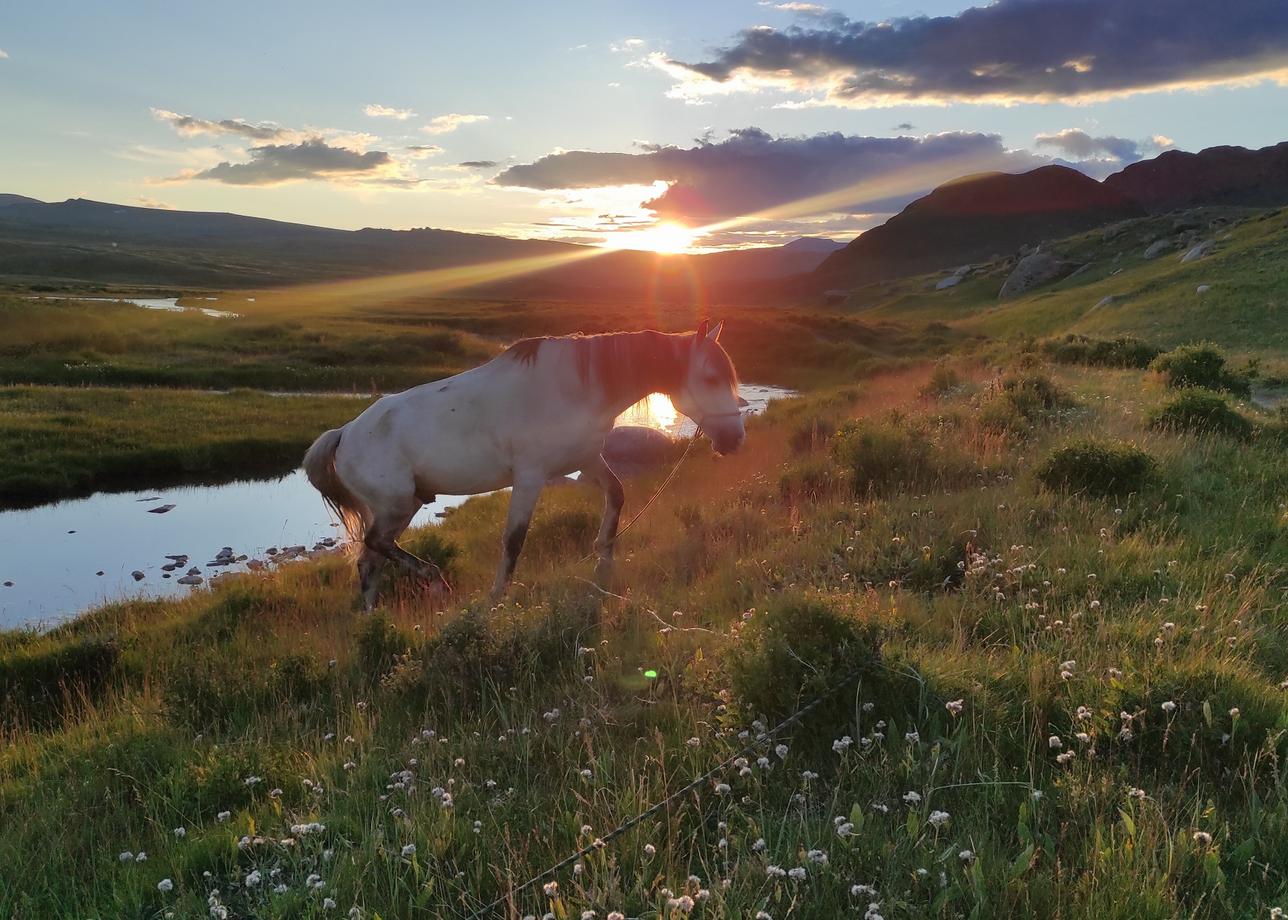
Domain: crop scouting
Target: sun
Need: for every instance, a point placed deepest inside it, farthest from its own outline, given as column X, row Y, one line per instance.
column 664, row 238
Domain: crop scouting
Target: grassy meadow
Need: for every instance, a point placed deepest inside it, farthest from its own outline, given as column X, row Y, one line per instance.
column 1050, row 581
column 1071, row 698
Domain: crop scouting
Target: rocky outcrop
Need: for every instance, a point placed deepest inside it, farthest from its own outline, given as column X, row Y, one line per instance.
column 1032, row 271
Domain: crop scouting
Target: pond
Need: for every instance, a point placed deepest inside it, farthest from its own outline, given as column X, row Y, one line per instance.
column 61, row 558
column 168, row 304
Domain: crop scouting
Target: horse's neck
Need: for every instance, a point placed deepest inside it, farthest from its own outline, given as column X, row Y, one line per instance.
column 636, row 364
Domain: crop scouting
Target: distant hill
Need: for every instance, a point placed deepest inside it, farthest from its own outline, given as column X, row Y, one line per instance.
column 79, row 240
column 1215, row 176
column 975, row 218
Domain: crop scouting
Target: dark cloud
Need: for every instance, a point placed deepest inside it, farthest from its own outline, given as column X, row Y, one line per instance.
column 1011, row 50
column 905, row 126
column 479, row 164
column 273, row 164
column 751, row 171
column 189, row 125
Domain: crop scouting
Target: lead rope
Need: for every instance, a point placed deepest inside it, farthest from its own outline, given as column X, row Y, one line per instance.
column 601, row 842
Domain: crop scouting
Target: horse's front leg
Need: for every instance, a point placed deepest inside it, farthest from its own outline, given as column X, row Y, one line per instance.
column 614, row 497
column 523, row 501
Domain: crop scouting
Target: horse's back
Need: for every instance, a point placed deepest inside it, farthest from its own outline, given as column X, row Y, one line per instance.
column 457, row 436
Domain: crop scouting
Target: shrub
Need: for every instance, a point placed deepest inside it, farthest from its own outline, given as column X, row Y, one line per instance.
column 811, row 433
column 429, row 544
column 1200, row 366
column 1097, row 468
column 1202, row 412
column 1124, row 351
column 893, row 453
column 796, row 651
column 380, row 644
column 1021, row 401
column 943, row 381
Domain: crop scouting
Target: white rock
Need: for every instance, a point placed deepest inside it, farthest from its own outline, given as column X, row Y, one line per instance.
column 1197, row 252
column 1203, row 289
column 950, row 281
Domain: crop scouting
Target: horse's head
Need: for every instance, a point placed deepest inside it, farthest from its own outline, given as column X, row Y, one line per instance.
column 709, row 391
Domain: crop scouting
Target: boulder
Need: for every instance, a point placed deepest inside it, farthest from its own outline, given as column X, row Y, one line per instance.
column 190, row 580
column 632, row 449
column 1202, row 289
column 1157, row 248
column 950, row 281
column 161, row 509
column 1105, row 301
column 136, row 575
column 1031, row 271
column 1197, row 252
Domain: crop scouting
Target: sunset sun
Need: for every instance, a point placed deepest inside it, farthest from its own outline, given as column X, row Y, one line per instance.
column 665, row 238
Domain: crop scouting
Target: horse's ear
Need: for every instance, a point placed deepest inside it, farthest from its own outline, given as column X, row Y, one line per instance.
column 714, row 334
column 702, row 331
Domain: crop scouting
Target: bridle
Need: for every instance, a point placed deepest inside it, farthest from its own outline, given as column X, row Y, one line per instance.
column 701, row 422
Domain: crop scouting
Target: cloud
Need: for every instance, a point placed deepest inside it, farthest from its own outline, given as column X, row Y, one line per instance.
column 1079, row 145
column 1082, row 146
column 479, row 164
column 144, row 201
column 1009, row 51
column 446, row 124
column 4, row 55
column 191, row 126
column 420, row 151
column 752, row 171
column 314, row 158
column 376, row 110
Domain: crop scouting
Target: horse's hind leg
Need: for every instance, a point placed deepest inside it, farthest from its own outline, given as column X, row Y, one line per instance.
column 382, row 535
column 370, row 563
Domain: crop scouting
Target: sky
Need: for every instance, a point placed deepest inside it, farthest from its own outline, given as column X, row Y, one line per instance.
column 665, row 125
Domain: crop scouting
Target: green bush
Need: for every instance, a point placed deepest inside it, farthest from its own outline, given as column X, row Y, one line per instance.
column 1200, row 366
column 1097, row 468
column 812, row 432
column 429, row 544
column 1021, row 401
column 1124, row 351
column 1202, row 412
column 794, row 652
column 943, row 381
column 894, row 453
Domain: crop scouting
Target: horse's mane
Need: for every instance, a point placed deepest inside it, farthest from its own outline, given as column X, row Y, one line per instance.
column 626, row 363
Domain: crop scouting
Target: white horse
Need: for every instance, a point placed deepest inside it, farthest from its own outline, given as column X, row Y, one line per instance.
column 539, row 410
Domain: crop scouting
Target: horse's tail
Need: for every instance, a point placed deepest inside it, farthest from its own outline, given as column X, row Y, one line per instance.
column 319, row 466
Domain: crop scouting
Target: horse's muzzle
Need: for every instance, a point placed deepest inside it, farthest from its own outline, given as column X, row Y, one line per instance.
column 726, row 442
